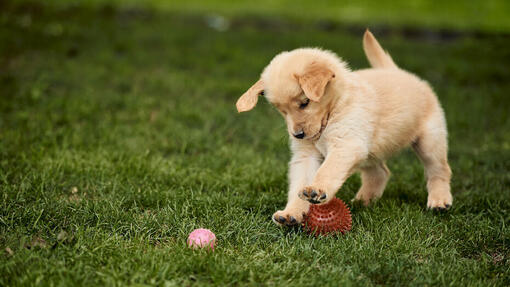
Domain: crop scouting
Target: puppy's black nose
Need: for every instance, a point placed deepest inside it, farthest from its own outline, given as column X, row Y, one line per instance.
column 299, row 135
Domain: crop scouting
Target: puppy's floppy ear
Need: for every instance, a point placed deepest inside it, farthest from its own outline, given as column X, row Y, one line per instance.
column 249, row 99
column 314, row 80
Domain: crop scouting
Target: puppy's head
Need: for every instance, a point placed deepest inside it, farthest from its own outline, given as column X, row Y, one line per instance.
column 301, row 84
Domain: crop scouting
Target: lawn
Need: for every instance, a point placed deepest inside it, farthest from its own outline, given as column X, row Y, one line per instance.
column 119, row 136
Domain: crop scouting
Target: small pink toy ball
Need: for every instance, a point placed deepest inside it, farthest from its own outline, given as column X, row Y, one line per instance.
column 201, row 238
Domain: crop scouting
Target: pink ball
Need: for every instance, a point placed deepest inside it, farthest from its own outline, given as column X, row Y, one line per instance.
column 201, row 238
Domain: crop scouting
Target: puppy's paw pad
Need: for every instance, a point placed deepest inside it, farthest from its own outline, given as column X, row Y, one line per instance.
column 313, row 195
column 284, row 218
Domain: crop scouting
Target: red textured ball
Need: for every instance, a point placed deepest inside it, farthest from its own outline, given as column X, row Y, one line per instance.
column 330, row 218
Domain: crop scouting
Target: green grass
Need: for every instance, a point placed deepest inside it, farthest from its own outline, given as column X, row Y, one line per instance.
column 119, row 136
column 486, row 15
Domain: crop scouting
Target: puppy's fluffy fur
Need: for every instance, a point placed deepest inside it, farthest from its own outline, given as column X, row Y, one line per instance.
column 343, row 121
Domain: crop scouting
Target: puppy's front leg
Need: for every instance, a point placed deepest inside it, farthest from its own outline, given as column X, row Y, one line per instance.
column 305, row 161
column 339, row 164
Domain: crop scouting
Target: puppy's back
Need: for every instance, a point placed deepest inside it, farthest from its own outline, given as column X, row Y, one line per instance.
column 402, row 103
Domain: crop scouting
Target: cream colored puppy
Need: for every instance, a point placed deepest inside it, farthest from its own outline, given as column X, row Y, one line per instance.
column 343, row 121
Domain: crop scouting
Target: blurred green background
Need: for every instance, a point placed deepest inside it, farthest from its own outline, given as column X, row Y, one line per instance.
column 119, row 136
column 489, row 15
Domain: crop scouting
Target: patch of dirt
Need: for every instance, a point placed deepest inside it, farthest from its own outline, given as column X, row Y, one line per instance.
column 9, row 252
column 36, row 242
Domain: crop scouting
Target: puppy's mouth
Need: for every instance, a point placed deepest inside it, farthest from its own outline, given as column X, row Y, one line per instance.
column 324, row 123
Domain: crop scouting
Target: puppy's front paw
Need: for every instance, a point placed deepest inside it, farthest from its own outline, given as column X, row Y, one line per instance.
column 282, row 217
column 439, row 203
column 364, row 198
column 313, row 195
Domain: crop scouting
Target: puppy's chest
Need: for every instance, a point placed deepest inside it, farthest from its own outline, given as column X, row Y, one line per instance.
column 322, row 147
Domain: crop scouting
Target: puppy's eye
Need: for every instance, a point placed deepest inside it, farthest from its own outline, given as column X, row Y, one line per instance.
column 304, row 104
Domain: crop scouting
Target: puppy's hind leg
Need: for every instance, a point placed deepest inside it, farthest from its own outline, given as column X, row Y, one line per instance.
column 374, row 179
column 432, row 148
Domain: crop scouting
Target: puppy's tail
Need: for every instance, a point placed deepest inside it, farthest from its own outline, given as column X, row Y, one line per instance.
column 377, row 57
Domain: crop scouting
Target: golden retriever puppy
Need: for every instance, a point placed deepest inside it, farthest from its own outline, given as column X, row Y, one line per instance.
column 342, row 121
